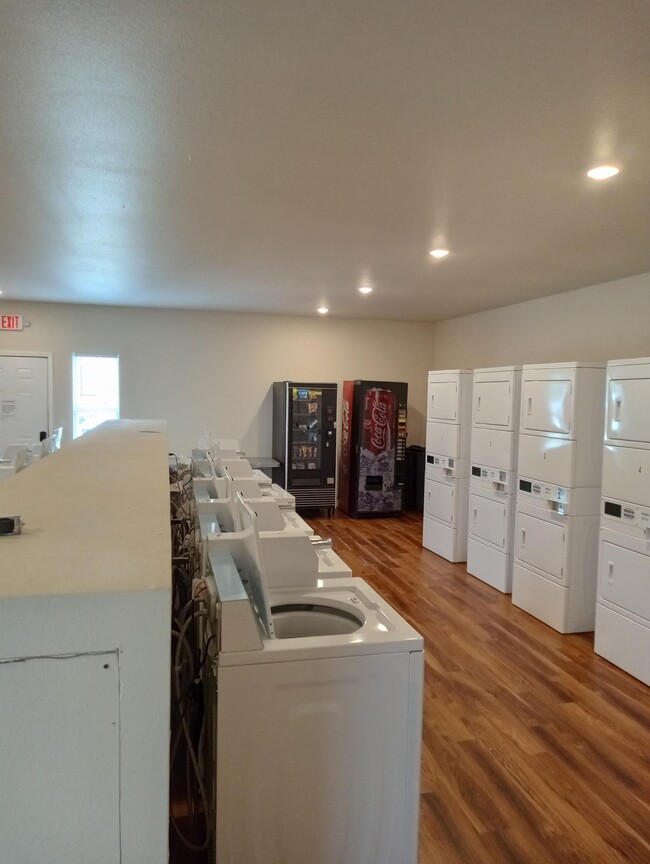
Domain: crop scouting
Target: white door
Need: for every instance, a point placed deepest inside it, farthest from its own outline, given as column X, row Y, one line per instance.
column 551, row 460
column 488, row 519
column 492, row 403
column 24, row 398
column 628, row 409
column 541, row 544
column 443, row 400
column 494, row 447
column 626, row 474
column 439, row 500
column 546, row 406
column 624, row 579
column 443, row 439
column 60, row 733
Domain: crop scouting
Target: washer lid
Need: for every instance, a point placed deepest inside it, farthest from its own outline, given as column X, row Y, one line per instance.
column 254, row 573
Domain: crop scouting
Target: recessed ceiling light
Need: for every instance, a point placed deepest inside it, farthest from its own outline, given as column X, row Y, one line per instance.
column 323, row 310
column 365, row 289
column 439, row 253
column 602, row 172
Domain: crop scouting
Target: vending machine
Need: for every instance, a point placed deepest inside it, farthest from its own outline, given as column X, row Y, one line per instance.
column 373, row 447
column 304, row 441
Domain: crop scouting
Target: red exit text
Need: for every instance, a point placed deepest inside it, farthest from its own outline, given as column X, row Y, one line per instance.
column 11, row 322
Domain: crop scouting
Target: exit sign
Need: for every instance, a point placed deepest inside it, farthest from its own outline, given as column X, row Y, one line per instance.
column 11, row 322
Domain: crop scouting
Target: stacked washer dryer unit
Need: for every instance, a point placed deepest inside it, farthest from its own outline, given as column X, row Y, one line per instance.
column 623, row 608
column 313, row 716
column 446, row 484
column 492, row 483
column 558, row 497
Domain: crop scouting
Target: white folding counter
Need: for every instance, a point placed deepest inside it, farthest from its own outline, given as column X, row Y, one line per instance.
column 85, row 592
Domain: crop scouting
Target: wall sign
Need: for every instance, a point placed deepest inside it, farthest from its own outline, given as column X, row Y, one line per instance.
column 11, row 322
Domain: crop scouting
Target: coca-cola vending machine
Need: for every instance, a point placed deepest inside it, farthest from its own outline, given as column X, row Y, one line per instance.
column 373, row 448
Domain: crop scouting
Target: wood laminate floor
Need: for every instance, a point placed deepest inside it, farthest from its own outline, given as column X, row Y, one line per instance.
column 535, row 750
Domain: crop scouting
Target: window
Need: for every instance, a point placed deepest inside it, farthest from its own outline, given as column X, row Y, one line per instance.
column 95, row 391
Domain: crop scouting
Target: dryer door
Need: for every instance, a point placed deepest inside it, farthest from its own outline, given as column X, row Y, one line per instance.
column 439, row 500
column 492, row 402
column 488, row 519
column 443, row 439
column 551, row 460
column 624, row 579
column 546, row 406
column 443, row 401
column 494, row 447
column 626, row 474
column 541, row 545
column 628, row 409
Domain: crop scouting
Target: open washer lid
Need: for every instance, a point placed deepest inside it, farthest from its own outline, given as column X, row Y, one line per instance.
column 305, row 618
column 255, row 573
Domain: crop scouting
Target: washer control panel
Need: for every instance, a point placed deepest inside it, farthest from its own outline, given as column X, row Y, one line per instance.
column 492, row 476
column 622, row 513
column 555, row 498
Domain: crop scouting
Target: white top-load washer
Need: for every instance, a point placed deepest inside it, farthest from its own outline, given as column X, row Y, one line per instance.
column 211, row 486
column 213, row 467
column 446, row 484
column 622, row 633
column 289, row 542
column 289, row 553
column 314, row 718
column 492, row 485
column 222, row 450
column 558, row 493
column 237, row 466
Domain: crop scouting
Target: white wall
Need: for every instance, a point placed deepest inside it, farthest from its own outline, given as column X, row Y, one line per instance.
column 602, row 322
column 209, row 370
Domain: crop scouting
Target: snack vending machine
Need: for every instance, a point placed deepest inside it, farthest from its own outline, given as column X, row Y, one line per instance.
column 372, row 466
column 304, row 441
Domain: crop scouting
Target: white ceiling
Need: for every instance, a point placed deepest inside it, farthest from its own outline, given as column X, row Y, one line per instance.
column 270, row 155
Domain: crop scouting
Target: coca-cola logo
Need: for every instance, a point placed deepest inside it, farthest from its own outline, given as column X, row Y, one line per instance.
column 345, row 442
column 380, row 425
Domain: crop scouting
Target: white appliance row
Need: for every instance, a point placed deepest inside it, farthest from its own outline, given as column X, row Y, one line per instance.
column 471, row 460
column 622, row 630
column 535, row 498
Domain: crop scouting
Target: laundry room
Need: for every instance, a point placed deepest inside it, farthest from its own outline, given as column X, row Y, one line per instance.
column 324, row 339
